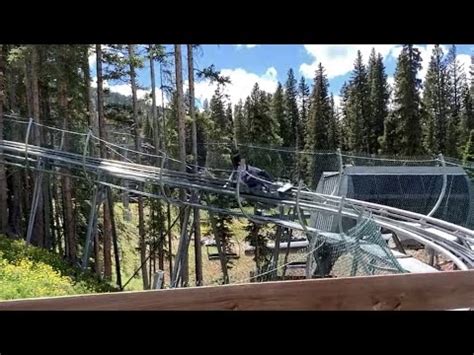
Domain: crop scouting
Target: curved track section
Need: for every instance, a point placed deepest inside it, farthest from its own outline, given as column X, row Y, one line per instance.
column 452, row 241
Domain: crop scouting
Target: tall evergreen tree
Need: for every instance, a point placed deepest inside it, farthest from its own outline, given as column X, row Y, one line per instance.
column 291, row 137
column 436, row 104
column 303, row 92
column 229, row 117
column 279, row 114
column 406, row 102
column 333, row 127
column 319, row 115
column 262, row 128
column 239, row 122
column 359, row 108
column 468, row 154
column 467, row 114
column 379, row 95
column 220, row 132
column 318, row 123
column 456, row 87
column 345, row 128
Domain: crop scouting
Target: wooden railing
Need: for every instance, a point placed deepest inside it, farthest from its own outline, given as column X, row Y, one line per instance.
column 427, row 291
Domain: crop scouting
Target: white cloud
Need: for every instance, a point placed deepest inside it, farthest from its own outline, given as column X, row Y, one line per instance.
column 465, row 61
column 338, row 60
column 426, row 51
column 105, row 83
column 246, row 45
column 92, row 59
column 391, row 81
column 241, row 85
column 337, row 100
column 126, row 90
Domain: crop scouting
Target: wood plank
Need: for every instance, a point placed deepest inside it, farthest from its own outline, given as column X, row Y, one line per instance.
column 432, row 291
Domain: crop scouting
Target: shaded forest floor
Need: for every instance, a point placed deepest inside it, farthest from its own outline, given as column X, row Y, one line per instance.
column 212, row 274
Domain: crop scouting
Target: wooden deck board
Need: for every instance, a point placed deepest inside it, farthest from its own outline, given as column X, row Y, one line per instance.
column 421, row 291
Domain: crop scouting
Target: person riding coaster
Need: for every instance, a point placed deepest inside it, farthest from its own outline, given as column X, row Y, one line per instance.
column 257, row 180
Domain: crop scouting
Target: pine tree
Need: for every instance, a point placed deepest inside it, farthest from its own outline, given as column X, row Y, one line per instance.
column 303, row 91
column 279, row 114
column 467, row 117
column 345, row 129
column 333, row 128
column 288, row 166
column 407, row 111
column 456, row 87
column 262, row 129
column 318, row 123
column 468, row 154
column 229, row 117
column 239, row 122
column 291, row 137
column 436, row 104
column 220, row 132
column 358, row 108
column 378, row 97
column 319, row 115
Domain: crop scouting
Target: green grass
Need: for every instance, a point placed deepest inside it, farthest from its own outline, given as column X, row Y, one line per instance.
column 27, row 271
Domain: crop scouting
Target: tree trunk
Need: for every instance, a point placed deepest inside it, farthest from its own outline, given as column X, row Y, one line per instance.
column 138, row 146
column 15, row 181
column 163, row 145
column 196, row 214
column 97, row 255
column 107, row 233
column 114, row 238
column 3, row 177
column 38, row 236
column 156, row 142
column 180, row 104
column 181, row 135
column 57, row 212
column 69, row 214
column 46, row 138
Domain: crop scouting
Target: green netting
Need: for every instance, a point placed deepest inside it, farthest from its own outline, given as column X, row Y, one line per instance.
column 359, row 251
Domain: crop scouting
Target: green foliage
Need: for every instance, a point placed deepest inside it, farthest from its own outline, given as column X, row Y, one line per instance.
column 319, row 122
column 379, row 95
column 278, row 112
column 333, row 127
column 467, row 114
column 239, row 122
column 220, row 131
column 303, row 94
column 213, row 75
column 358, row 110
column 263, row 255
column 407, row 108
column 436, row 104
column 468, row 155
column 27, row 271
column 291, row 136
column 25, row 279
column 261, row 128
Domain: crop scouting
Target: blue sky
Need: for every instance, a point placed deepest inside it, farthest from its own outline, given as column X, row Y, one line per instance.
column 268, row 64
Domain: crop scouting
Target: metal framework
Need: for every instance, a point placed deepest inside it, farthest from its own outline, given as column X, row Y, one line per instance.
column 451, row 240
